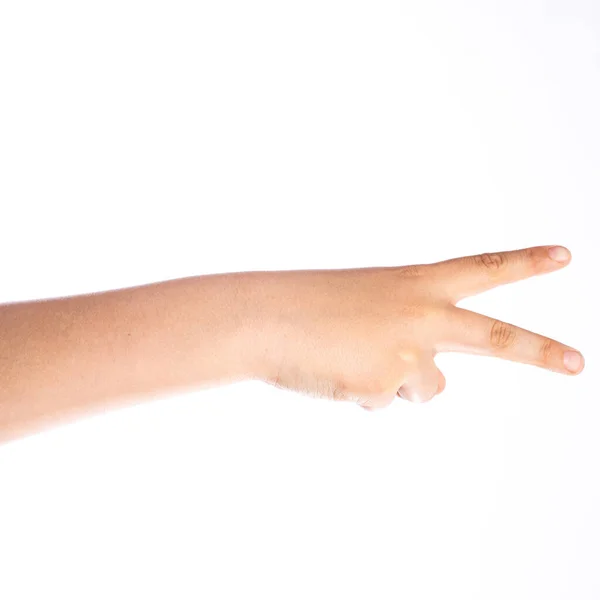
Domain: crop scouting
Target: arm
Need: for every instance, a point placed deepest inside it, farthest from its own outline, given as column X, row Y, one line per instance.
column 66, row 357
column 364, row 335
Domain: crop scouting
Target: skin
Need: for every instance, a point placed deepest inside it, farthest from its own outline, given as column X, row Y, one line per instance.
column 361, row 335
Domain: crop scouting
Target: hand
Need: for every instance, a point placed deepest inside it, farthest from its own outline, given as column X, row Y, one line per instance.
column 367, row 335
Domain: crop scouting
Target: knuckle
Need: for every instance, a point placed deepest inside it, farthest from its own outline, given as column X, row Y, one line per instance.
column 492, row 261
column 408, row 360
column 530, row 255
column 410, row 270
column 377, row 388
column 502, row 335
column 382, row 386
column 546, row 351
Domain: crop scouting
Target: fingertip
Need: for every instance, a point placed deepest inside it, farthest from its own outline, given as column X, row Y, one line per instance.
column 573, row 361
column 560, row 254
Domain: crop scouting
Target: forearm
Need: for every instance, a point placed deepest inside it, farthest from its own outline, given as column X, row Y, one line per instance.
column 64, row 357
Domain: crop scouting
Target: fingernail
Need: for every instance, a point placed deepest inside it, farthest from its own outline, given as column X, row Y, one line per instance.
column 573, row 361
column 559, row 254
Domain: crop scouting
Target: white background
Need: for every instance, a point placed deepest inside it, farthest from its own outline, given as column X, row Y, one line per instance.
column 142, row 141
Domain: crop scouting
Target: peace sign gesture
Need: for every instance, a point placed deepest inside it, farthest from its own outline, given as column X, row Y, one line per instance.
column 364, row 335
column 368, row 335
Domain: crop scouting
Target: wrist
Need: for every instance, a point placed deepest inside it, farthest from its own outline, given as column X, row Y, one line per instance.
column 258, row 342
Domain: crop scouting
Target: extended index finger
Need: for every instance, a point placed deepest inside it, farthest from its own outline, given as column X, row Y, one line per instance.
column 471, row 332
column 470, row 275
